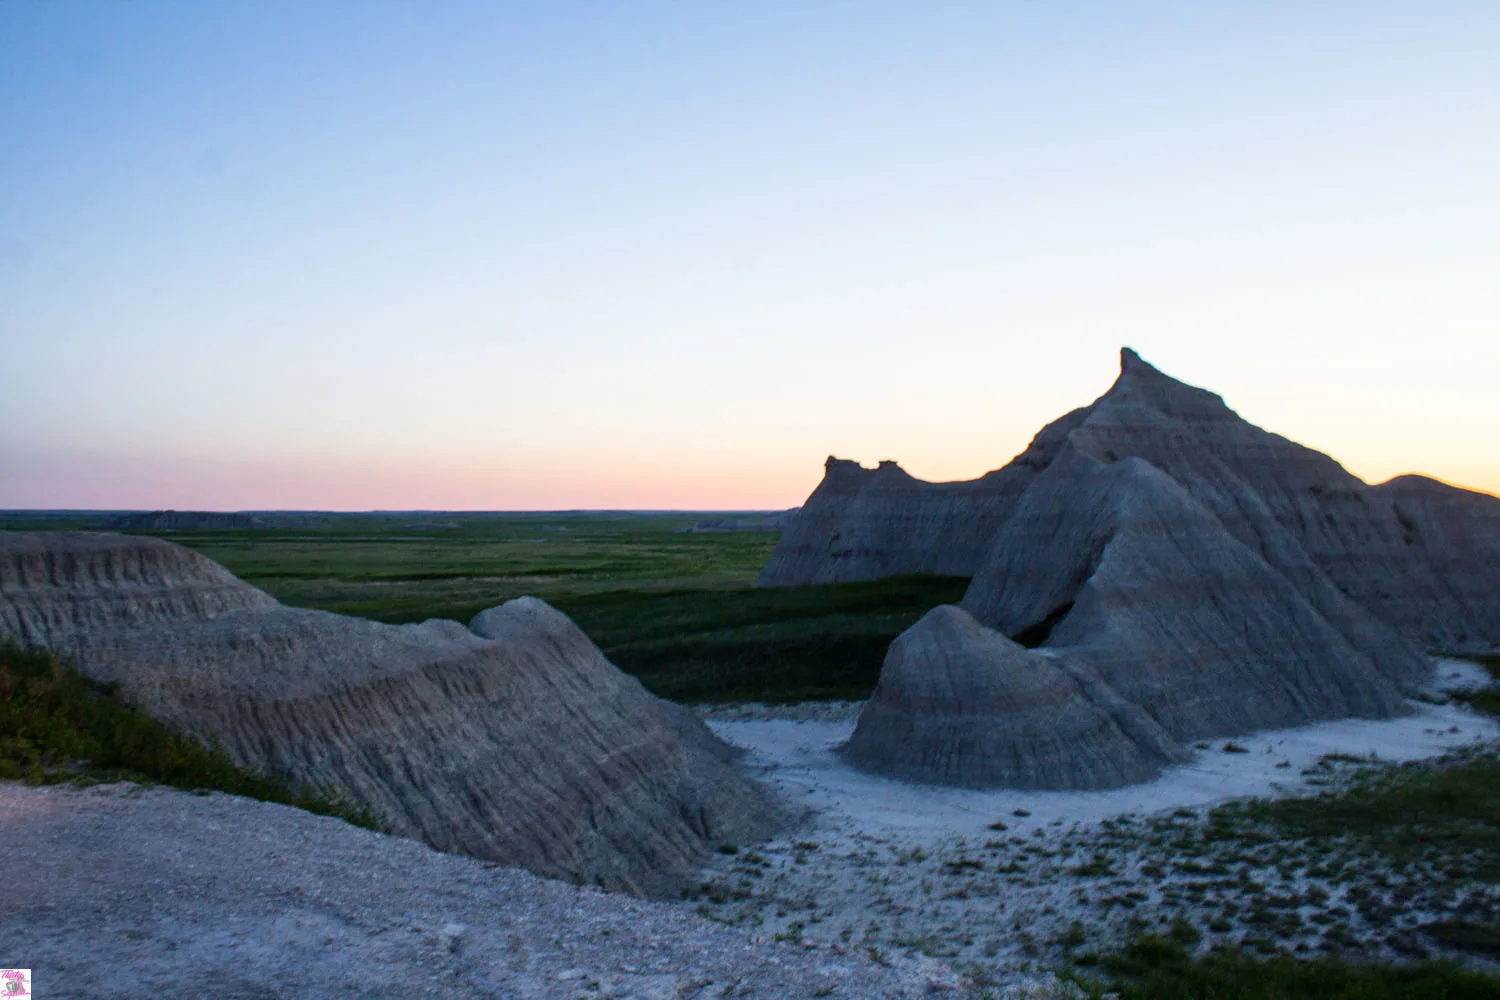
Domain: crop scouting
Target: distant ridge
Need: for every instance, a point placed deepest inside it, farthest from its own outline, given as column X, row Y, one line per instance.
column 180, row 520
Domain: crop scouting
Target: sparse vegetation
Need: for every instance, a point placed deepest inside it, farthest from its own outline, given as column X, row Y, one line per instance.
column 1158, row 968
column 57, row 726
column 1414, row 812
column 1485, row 700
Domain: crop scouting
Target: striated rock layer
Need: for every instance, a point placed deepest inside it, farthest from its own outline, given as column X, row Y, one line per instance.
column 1193, row 574
column 513, row 740
column 961, row 704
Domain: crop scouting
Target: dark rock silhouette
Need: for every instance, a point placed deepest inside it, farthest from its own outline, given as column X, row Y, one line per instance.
column 1193, row 574
column 516, row 741
column 178, row 520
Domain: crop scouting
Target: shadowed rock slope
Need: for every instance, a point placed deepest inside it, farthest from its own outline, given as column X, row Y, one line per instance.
column 1193, row 574
column 948, row 683
column 514, row 740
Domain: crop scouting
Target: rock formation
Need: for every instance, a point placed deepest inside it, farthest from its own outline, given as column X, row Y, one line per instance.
column 1192, row 574
column 863, row 524
column 514, row 741
column 961, row 704
column 772, row 521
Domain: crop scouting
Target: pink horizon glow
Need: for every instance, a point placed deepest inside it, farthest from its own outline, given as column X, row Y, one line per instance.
column 113, row 483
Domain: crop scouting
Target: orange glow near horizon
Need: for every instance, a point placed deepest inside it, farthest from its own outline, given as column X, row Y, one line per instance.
column 320, row 256
column 107, row 483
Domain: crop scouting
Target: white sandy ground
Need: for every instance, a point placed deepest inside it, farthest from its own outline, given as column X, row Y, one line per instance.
column 896, row 865
column 123, row 891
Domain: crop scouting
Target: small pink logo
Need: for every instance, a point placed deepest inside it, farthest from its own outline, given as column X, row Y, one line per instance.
column 15, row 982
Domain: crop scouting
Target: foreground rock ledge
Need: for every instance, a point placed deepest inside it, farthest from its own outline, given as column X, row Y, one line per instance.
column 125, row 892
column 516, row 741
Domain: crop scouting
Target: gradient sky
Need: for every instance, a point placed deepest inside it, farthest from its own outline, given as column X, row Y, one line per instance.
column 353, row 255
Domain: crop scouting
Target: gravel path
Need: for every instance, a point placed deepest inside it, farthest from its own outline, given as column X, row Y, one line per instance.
column 118, row 891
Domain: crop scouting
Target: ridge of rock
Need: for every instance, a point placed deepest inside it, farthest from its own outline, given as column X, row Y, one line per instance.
column 1172, row 556
column 517, row 741
column 176, row 520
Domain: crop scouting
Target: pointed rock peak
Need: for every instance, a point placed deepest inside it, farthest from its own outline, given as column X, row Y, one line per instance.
column 1132, row 363
column 1142, row 382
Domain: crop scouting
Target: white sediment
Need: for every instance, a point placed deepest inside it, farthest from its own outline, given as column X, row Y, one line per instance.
column 988, row 878
column 802, row 760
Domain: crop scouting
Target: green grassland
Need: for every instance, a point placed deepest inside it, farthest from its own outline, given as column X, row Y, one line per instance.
column 676, row 607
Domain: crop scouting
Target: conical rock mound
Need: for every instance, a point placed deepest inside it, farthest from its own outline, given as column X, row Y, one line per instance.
column 960, row 704
column 516, row 741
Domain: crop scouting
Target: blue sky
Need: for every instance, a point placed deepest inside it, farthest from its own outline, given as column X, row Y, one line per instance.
column 463, row 255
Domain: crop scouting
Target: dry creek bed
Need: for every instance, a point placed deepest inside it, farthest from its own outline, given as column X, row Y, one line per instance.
column 1001, row 883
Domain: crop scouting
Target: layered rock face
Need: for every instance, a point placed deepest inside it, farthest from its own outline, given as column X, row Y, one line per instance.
column 863, row 524
column 1182, row 566
column 514, row 740
column 66, row 590
column 960, row 704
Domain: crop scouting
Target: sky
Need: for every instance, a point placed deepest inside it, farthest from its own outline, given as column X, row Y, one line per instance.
column 448, row 255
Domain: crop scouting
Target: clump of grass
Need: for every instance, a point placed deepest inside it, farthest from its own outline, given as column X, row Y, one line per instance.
column 1464, row 935
column 1158, row 968
column 57, row 725
column 1485, row 700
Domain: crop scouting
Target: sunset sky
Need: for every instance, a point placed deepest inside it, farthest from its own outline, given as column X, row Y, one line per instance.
column 361, row 255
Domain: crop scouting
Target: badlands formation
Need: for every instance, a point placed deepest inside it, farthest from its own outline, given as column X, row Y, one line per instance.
column 513, row 740
column 1151, row 571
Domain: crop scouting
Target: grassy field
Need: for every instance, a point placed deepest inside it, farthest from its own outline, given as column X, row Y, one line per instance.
column 674, row 606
